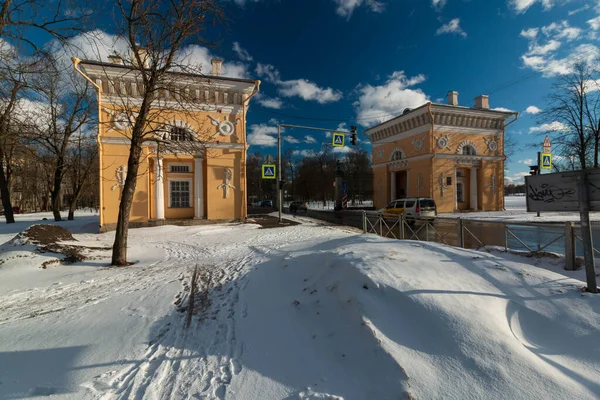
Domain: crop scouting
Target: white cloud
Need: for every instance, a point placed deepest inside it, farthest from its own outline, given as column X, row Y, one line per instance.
column 536, row 49
column 308, row 90
column 269, row 102
column 342, row 150
column 520, row 6
column 554, row 126
column 594, row 23
column 551, row 66
column 380, row 103
column 328, row 135
column 345, row 8
column 438, row 4
column 263, row 135
column 309, row 139
column 451, row 27
column 200, row 58
column 291, row 139
column 268, row 71
column 241, row 53
column 578, row 10
column 515, row 178
column 561, row 30
column 502, row 109
column 530, row 33
column 302, row 88
column 532, row 110
column 526, row 161
column 303, row 153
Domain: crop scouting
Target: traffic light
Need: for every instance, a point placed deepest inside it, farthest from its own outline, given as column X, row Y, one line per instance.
column 534, row 169
column 353, row 135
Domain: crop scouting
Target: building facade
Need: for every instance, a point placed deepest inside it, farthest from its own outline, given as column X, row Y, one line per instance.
column 193, row 161
column 450, row 153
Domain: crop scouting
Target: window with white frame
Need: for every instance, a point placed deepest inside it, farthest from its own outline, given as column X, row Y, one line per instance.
column 179, row 194
column 468, row 150
column 397, row 155
column 179, row 134
column 178, row 168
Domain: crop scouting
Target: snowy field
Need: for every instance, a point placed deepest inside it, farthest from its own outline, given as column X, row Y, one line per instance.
column 302, row 312
column 516, row 211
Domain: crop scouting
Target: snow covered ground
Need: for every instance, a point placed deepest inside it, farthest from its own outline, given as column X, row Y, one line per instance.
column 302, row 312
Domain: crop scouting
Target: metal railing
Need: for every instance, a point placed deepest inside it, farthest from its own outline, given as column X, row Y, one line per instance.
column 533, row 238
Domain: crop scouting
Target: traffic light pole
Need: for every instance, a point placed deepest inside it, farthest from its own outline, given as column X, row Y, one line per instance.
column 279, row 181
column 539, row 170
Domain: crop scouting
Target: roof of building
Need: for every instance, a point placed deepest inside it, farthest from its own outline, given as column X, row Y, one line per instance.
column 414, row 110
column 188, row 74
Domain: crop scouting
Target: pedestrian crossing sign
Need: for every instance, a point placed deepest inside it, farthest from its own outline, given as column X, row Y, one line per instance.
column 547, row 161
column 338, row 139
column 268, row 171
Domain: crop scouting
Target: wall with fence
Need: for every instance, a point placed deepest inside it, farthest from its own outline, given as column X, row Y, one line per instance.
column 534, row 238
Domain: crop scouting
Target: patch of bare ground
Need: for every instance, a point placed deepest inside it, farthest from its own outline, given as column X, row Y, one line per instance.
column 51, row 239
column 268, row 222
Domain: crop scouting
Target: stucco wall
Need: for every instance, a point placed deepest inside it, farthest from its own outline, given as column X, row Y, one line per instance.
column 219, row 207
column 116, row 156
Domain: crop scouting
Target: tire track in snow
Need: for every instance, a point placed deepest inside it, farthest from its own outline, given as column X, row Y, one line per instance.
column 198, row 361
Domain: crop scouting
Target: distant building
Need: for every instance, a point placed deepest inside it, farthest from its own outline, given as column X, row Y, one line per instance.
column 200, row 171
column 450, row 153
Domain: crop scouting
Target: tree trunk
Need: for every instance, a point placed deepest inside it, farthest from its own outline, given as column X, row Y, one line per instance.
column 55, row 194
column 119, row 254
column 5, row 193
column 72, row 210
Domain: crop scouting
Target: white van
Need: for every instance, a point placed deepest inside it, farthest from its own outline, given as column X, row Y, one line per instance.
column 413, row 208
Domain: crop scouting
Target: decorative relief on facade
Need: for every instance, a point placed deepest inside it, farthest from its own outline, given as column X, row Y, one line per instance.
column 225, row 127
column 442, row 184
column 398, row 164
column 397, row 154
column 443, row 142
column 493, row 184
column 380, row 154
column 466, row 143
column 492, row 145
column 472, row 162
column 226, row 185
column 419, row 143
column 121, row 120
column 121, row 175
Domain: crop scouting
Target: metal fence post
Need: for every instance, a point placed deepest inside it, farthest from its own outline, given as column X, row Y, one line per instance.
column 381, row 225
column 401, row 217
column 459, row 233
column 569, row 246
column 505, row 238
column 364, row 221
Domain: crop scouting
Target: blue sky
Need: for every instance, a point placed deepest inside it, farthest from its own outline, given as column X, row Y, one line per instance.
column 336, row 63
column 371, row 59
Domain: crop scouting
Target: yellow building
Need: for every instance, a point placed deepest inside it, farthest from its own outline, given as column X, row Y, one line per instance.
column 193, row 163
column 450, row 153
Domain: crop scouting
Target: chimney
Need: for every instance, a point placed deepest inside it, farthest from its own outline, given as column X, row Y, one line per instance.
column 483, row 102
column 144, row 56
column 453, row 98
column 115, row 59
column 216, row 66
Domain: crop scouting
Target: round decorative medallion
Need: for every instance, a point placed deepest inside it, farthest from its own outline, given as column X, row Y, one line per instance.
column 380, row 154
column 493, row 146
column 443, row 142
column 122, row 121
column 226, row 128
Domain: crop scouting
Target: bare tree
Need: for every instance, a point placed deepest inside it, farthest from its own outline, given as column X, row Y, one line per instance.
column 573, row 115
column 156, row 32
column 19, row 18
column 67, row 111
column 81, row 169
